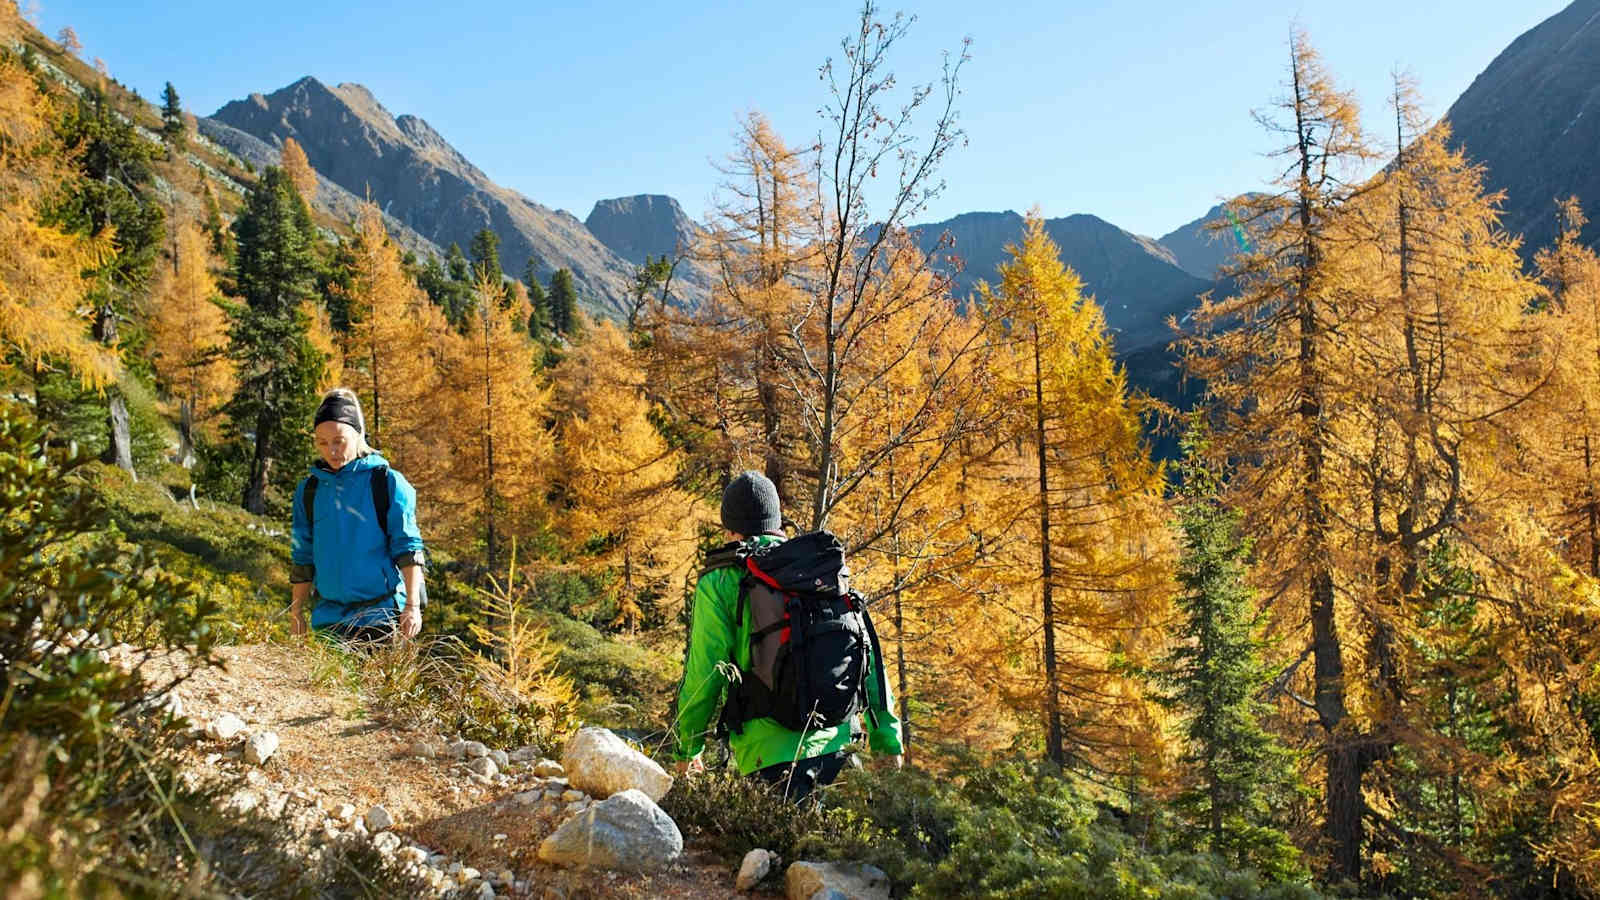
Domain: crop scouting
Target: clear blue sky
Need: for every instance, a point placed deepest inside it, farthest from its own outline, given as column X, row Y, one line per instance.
column 1136, row 112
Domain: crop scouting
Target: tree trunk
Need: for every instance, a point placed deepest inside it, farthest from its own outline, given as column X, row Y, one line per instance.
column 377, row 402
column 120, row 450
column 488, row 445
column 1052, row 703
column 119, row 444
column 1346, row 809
column 186, row 433
column 255, row 490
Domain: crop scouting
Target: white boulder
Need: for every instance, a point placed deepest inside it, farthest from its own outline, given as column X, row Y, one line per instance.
column 600, row 763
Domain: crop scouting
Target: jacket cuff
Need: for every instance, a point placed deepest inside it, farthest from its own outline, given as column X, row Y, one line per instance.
column 885, row 741
column 301, row 574
column 412, row 558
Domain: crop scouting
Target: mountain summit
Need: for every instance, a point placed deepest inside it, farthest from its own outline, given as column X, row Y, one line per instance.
column 416, row 176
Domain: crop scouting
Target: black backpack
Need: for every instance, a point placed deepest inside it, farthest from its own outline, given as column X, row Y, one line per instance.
column 811, row 638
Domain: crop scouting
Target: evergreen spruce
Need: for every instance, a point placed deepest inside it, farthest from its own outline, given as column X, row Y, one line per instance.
column 278, row 368
column 1213, row 677
column 173, row 128
column 563, row 303
column 486, row 255
column 538, row 301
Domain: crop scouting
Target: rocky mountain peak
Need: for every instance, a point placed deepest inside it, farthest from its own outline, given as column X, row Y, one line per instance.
column 642, row 225
column 417, row 176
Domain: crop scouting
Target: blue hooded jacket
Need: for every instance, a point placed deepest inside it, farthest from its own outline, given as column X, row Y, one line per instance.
column 345, row 556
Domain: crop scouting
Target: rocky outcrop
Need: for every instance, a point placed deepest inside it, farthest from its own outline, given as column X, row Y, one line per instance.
column 655, row 226
column 642, row 225
column 332, row 199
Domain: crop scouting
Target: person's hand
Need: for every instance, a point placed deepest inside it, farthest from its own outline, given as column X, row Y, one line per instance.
column 297, row 620
column 411, row 620
column 892, row 763
column 689, row 766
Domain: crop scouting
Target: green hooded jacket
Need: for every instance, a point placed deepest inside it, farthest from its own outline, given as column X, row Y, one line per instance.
column 713, row 637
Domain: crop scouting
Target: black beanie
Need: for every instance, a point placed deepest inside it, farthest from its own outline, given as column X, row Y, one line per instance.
column 341, row 406
column 750, row 505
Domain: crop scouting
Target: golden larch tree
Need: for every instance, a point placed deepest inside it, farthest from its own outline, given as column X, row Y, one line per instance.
column 620, row 507
column 189, row 332
column 298, row 168
column 43, row 316
column 501, row 448
column 1097, row 561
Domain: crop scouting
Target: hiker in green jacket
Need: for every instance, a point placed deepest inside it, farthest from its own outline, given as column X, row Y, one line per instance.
column 800, row 761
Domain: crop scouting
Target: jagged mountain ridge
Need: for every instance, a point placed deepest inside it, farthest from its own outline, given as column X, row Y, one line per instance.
column 1134, row 278
column 419, row 179
column 1533, row 119
column 331, row 198
column 1199, row 247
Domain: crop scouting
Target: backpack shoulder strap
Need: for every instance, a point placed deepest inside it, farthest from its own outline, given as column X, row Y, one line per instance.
column 382, row 496
column 308, row 504
column 729, row 555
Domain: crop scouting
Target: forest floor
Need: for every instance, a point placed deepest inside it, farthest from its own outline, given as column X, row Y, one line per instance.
column 331, row 753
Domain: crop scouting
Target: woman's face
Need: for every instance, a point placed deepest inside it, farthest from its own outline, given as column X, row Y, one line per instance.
column 337, row 443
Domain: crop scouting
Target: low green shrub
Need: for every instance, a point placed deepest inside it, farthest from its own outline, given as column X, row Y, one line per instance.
column 88, row 775
column 1015, row 830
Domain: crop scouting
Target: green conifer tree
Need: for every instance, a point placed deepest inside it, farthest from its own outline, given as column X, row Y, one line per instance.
column 486, row 255
column 1212, row 678
column 112, row 197
column 174, row 130
column 563, row 303
column 278, row 368
column 538, row 301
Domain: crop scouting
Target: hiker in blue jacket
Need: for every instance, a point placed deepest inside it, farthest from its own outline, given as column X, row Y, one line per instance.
column 359, row 548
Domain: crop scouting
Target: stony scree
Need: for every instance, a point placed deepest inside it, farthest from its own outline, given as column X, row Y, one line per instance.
column 259, row 747
column 474, row 750
column 224, row 727
column 484, row 766
column 628, row 831
column 600, row 763
column 846, row 881
column 378, row 819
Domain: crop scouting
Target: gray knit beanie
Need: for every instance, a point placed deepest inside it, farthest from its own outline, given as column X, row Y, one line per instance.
column 750, row 505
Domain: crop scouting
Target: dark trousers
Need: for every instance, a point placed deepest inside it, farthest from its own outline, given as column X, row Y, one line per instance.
column 799, row 780
column 363, row 636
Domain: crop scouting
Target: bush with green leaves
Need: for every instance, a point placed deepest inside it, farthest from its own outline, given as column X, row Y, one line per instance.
column 86, row 767
column 1016, row 830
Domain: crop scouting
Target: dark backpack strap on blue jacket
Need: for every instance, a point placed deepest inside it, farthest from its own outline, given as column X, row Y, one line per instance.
column 380, row 502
